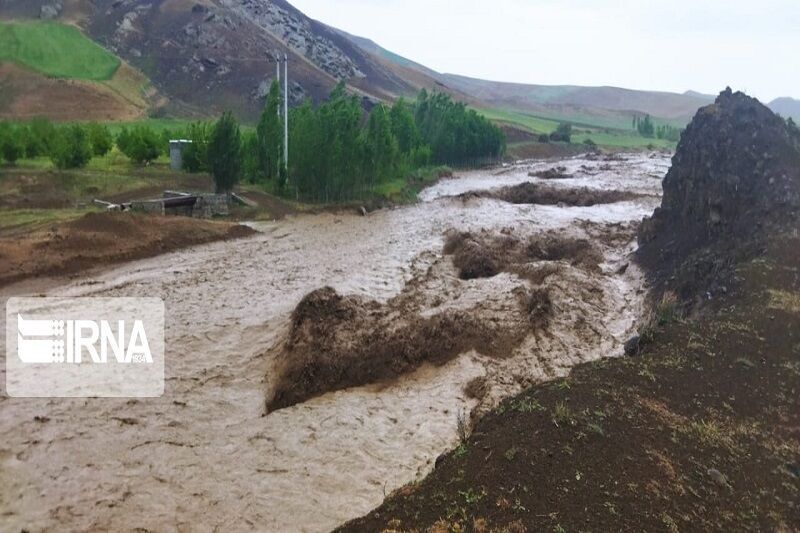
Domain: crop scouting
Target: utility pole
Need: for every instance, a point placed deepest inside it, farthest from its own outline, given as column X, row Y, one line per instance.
column 286, row 115
column 278, row 74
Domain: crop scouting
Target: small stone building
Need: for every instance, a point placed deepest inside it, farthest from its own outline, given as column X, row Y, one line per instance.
column 188, row 205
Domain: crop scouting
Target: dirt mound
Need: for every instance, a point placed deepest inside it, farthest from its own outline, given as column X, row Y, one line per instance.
column 557, row 173
column 486, row 254
column 579, row 252
column 338, row 341
column 735, row 178
column 531, row 193
column 99, row 239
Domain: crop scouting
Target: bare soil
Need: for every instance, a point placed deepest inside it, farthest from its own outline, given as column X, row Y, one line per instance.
column 99, row 239
column 26, row 95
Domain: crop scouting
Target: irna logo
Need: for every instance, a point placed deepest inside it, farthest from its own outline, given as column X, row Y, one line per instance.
column 85, row 347
column 82, row 341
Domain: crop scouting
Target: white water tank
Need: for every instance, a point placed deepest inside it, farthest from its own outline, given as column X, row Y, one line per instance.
column 176, row 147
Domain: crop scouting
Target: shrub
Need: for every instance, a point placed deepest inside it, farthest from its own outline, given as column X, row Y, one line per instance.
column 563, row 133
column 141, row 144
column 71, row 147
column 101, row 139
column 544, row 138
column 11, row 145
column 41, row 137
column 195, row 155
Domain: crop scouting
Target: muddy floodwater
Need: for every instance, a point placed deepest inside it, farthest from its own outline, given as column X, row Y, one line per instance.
column 206, row 456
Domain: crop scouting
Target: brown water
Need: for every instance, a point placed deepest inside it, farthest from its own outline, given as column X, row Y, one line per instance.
column 204, row 457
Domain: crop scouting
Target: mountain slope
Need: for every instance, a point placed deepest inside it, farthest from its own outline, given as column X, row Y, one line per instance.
column 205, row 56
column 786, row 107
column 556, row 100
column 49, row 69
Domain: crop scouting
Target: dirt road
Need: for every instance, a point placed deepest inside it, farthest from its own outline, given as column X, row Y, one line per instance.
column 205, row 456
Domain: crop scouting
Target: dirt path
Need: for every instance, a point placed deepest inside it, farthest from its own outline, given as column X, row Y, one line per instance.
column 205, row 455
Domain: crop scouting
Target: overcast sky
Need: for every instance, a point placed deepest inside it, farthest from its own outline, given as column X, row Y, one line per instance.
column 675, row 45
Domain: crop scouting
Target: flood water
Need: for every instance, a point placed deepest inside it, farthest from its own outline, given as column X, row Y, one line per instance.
column 205, row 456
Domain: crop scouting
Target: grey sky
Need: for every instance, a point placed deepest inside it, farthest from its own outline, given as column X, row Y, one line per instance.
column 643, row 44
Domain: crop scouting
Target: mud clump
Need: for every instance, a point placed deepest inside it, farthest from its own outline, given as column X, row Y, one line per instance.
column 476, row 256
column 486, row 254
column 578, row 252
column 477, row 388
column 338, row 342
column 557, row 173
column 531, row 193
column 539, row 306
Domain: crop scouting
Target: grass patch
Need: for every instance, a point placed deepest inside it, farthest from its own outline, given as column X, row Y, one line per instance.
column 13, row 221
column 612, row 134
column 55, row 50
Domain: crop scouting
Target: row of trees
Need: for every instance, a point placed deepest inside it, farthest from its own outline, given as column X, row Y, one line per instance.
column 74, row 145
column 338, row 153
column 68, row 146
column 647, row 128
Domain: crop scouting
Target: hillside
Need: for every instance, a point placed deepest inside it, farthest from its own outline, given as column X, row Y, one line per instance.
column 52, row 69
column 602, row 106
column 204, row 56
column 211, row 55
column 786, row 107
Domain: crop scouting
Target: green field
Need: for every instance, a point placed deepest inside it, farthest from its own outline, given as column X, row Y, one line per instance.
column 55, row 50
column 603, row 136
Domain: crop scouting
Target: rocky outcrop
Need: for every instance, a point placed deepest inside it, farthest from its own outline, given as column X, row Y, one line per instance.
column 50, row 10
column 736, row 166
column 296, row 31
column 735, row 178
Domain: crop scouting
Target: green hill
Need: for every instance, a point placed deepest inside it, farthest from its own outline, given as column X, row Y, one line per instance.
column 55, row 50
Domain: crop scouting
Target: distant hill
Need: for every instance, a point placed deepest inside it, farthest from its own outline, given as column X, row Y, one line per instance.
column 195, row 58
column 554, row 100
column 786, row 107
column 210, row 55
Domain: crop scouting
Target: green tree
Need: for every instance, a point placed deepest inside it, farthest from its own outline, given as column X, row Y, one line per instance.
column 269, row 136
column 71, row 148
column 101, row 139
column 382, row 152
column 140, row 144
column 403, row 127
column 251, row 169
column 646, row 127
column 563, row 133
column 195, row 154
column 225, row 153
column 41, row 138
column 12, row 146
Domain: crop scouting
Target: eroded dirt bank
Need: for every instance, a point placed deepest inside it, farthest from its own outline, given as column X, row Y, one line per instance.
column 100, row 239
column 206, row 453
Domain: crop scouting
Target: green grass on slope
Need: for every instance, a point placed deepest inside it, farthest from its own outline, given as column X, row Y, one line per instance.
column 55, row 50
column 607, row 137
